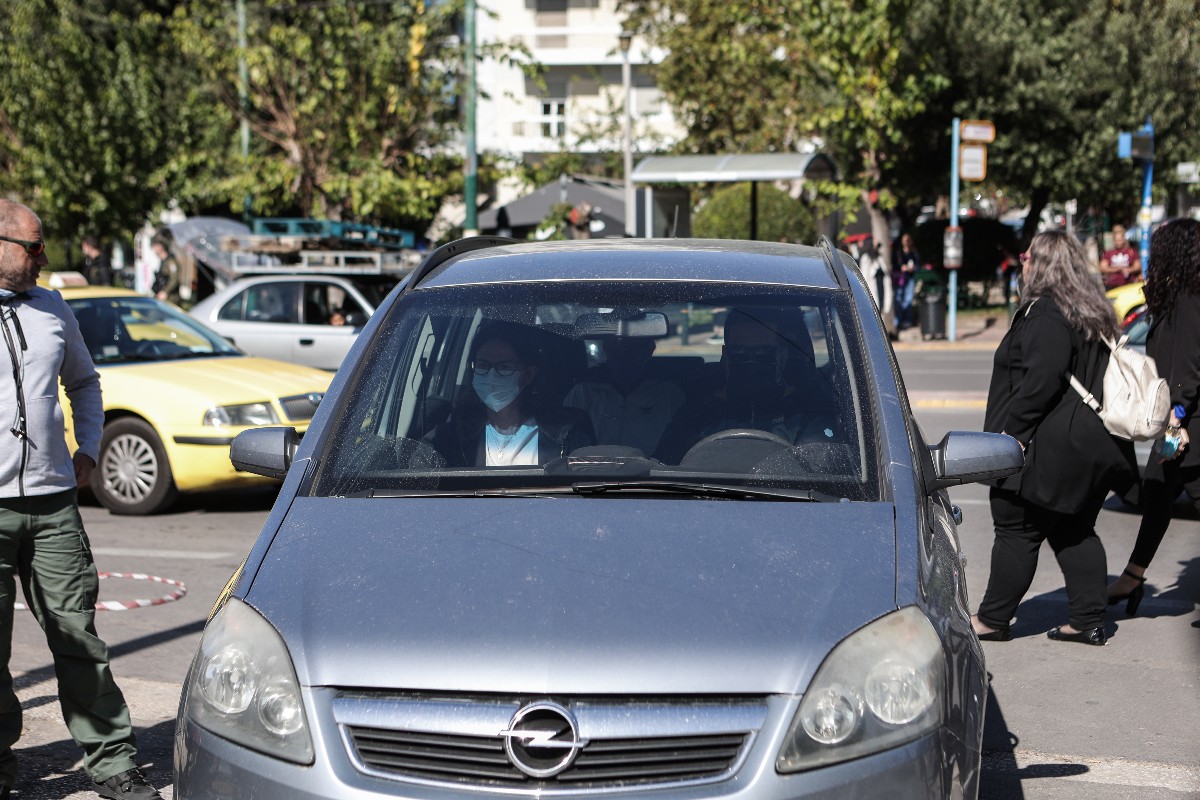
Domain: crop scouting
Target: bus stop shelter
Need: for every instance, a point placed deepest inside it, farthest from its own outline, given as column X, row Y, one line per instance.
column 750, row 167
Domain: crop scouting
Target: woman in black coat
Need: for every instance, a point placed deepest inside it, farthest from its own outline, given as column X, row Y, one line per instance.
column 1071, row 461
column 1173, row 302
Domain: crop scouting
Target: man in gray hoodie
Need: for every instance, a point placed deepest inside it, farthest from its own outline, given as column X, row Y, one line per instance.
column 42, row 540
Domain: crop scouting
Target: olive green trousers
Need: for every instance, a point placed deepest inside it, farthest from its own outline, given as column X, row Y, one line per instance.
column 42, row 541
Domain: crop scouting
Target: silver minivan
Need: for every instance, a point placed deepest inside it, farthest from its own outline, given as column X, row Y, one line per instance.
column 542, row 541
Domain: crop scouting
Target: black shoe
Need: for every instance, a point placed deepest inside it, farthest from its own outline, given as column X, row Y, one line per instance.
column 998, row 635
column 127, row 784
column 5, row 792
column 1094, row 636
column 1134, row 598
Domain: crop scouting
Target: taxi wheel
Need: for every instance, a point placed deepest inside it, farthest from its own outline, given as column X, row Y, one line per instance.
column 133, row 476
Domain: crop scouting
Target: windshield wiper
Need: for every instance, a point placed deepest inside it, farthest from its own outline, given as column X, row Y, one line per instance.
column 705, row 490
column 498, row 492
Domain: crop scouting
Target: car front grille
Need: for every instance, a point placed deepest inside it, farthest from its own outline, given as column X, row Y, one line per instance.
column 301, row 406
column 458, row 743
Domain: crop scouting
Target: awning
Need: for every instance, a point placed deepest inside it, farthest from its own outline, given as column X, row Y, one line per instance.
column 731, row 168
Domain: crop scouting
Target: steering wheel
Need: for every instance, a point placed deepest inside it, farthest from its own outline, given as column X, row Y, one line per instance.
column 733, row 450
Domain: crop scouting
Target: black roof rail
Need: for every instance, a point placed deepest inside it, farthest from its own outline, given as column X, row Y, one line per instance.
column 833, row 260
column 456, row 248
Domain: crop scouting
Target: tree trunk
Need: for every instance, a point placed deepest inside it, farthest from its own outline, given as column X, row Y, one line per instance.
column 1037, row 201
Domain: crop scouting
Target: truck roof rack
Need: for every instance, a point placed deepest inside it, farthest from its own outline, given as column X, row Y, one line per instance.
column 448, row 251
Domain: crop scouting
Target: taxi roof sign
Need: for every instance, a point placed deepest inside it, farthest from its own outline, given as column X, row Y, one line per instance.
column 977, row 130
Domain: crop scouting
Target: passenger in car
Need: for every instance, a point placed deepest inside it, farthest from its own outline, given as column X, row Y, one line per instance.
column 500, row 425
column 769, row 383
column 627, row 404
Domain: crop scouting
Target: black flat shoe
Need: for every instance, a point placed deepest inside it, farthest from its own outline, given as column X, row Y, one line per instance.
column 1134, row 598
column 1094, row 636
column 998, row 635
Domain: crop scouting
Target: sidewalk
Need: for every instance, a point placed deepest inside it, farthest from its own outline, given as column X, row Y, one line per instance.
column 974, row 330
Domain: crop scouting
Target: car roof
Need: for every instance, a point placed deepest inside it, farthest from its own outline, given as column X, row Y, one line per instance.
column 716, row 260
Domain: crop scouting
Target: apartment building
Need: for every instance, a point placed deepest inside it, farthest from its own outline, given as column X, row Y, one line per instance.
column 578, row 104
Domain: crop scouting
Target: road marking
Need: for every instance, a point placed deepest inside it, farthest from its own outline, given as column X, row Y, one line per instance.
column 1107, row 771
column 138, row 552
column 947, row 403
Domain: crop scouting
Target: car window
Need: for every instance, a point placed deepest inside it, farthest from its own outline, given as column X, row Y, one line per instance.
column 547, row 385
column 330, row 304
column 129, row 329
column 273, row 302
column 234, row 309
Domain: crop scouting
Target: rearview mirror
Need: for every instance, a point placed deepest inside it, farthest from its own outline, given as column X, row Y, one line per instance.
column 971, row 457
column 264, row 451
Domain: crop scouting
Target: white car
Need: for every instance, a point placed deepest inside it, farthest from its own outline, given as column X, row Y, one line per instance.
column 305, row 319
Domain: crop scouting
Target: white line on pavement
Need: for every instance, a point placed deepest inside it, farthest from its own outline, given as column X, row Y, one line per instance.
column 188, row 555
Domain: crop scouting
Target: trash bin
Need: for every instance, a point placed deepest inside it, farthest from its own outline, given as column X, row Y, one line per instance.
column 933, row 314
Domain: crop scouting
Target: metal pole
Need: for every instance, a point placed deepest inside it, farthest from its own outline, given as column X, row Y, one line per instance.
column 627, row 83
column 952, row 300
column 471, row 184
column 1144, row 216
column 754, row 211
column 244, row 99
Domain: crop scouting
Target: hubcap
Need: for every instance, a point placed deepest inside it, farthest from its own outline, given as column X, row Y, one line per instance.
column 129, row 468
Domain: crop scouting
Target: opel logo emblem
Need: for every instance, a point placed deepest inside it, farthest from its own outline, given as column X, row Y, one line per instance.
column 542, row 739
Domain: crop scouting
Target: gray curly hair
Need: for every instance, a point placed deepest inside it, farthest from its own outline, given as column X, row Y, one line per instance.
column 1058, row 268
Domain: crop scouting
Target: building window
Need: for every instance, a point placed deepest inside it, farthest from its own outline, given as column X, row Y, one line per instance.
column 553, row 118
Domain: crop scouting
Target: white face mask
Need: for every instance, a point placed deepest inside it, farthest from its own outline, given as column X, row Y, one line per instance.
column 497, row 391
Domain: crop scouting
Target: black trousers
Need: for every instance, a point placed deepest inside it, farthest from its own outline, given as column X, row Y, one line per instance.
column 1161, row 486
column 1021, row 527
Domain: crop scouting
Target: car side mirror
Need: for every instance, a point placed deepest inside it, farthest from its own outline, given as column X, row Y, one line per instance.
column 264, row 451
column 971, row 457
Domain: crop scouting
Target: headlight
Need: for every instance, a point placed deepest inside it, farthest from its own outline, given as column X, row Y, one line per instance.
column 246, row 414
column 879, row 688
column 244, row 687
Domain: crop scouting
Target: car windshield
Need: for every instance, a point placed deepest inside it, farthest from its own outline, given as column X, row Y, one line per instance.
column 602, row 387
column 126, row 329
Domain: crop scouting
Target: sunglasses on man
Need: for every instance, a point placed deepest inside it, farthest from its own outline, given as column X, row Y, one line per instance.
column 34, row 249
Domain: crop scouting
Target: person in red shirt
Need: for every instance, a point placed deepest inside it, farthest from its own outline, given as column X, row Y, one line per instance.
column 1121, row 265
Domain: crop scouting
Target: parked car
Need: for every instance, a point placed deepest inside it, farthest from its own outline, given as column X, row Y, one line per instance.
column 305, row 319
column 780, row 611
column 175, row 395
column 1127, row 300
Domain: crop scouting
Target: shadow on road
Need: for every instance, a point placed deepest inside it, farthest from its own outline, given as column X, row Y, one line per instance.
column 46, row 672
column 258, row 498
column 52, row 770
column 1002, row 774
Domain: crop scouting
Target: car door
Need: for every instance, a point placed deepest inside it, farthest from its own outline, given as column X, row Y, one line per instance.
column 264, row 319
column 332, row 314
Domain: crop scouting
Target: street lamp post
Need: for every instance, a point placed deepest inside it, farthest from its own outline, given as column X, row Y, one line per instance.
column 471, row 178
column 627, row 83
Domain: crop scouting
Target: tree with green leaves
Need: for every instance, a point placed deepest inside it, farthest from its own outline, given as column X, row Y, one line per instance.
column 349, row 103
column 781, row 218
column 86, row 120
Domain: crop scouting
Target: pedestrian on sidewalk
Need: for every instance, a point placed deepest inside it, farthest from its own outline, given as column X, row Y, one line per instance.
column 906, row 261
column 1071, row 461
column 42, row 540
column 1173, row 302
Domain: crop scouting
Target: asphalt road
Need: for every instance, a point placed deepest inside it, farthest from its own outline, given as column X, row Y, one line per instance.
column 1065, row 721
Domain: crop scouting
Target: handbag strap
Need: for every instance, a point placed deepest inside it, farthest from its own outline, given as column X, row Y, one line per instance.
column 1089, row 399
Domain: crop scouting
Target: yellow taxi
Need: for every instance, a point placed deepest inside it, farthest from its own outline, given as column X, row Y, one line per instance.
column 1127, row 299
column 175, row 395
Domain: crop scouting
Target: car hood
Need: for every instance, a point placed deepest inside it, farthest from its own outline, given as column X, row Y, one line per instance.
column 219, row 380
column 573, row 595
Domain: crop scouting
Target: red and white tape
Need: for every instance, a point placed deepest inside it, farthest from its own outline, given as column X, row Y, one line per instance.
column 125, row 605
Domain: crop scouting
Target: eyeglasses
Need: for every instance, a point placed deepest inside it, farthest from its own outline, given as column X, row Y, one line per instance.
column 34, row 249
column 1024, row 257
column 503, row 368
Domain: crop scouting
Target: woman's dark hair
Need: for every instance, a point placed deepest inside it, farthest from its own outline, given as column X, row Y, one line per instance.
column 520, row 337
column 1174, row 265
